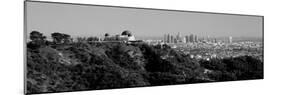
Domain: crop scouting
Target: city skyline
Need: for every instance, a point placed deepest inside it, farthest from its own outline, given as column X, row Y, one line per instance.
column 96, row 21
column 72, row 47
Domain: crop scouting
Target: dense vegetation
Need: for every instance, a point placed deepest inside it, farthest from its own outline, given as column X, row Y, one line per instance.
column 63, row 65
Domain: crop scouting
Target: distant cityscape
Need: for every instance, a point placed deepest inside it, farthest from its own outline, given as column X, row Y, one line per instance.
column 80, row 47
column 201, row 48
column 208, row 47
column 93, row 52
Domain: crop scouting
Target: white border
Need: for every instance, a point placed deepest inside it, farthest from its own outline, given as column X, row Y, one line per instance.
column 11, row 69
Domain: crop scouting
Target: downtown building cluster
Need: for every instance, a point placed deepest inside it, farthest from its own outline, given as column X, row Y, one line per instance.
column 169, row 38
column 192, row 38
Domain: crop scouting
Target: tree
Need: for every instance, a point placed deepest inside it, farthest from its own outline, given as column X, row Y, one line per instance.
column 37, row 36
column 59, row 38
column 237, row 68
column 91, row 39
column 66, row 38
column 81, row 39
column 37, row 40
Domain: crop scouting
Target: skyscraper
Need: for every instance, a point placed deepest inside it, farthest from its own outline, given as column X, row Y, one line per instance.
column 168, row 38
column 195, row 38
column 187, row 39
column 191, row 38
column 208, row 38
column 183, row 40
column 165, row 38
column 175, row 40
column 172, row 39
column 178, row 36
column 216, row 40
column 230, row 39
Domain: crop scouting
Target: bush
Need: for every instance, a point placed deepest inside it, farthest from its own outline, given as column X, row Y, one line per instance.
column 238, row 68
column 119, row 65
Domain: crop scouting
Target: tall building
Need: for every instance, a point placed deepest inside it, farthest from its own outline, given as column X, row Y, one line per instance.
column 230, row 39
column 195, row 38
column 216, row 40
column 168, row 38
column 187, row 39
column 191, row 38
column 183, row 40
column 172, row 39
column 175, row 40
column 208, row 38
column 178, row 36
column 165, row 39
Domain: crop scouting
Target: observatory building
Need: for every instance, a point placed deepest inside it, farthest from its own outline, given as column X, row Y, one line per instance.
column 125, row 36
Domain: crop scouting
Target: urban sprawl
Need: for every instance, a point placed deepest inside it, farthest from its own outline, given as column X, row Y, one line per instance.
column 203, row 48
column 208, row 48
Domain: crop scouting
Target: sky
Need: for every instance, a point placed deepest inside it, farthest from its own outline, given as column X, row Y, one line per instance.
column 80, row 20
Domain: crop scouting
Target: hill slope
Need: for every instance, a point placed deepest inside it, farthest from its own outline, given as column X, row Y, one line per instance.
column 84, row 66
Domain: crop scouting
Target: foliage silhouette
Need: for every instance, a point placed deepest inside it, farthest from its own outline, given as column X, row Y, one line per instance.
column 90, row 66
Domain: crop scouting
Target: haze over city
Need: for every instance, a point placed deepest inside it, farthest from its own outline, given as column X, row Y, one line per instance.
column 95, row 21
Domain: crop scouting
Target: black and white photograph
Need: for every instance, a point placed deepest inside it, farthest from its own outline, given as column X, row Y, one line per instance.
column 83, row 47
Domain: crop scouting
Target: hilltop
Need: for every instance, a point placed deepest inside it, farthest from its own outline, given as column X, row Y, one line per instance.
column 56, row 67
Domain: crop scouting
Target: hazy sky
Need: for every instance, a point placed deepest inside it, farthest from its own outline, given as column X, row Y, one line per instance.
column 78, row 20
